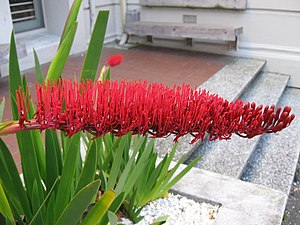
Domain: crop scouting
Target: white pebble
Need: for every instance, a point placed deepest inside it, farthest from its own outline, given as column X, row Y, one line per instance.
column 181, row 211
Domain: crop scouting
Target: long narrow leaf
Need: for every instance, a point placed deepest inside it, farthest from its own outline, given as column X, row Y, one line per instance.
column 10, row 176
column 53, row 158
column 36, row 137
column 5, row 209
column 64, row 190
column 139, row 168
column 2, row 104
column 91, row 60
column 27, row 149
column 115, row 205
column 38, row 69
column 14, row 76
column 100, row 209
column 72, row 17
column 45, row 200
column 89, row 169
column 181, row 174
column 127, row 170
column 36, row 201
column 73, row 212
column 115, row 168
column 60, row 59
column 113, row 219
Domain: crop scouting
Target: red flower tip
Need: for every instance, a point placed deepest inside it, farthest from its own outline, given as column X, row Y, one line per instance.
column 114, row 60
column 23, row 104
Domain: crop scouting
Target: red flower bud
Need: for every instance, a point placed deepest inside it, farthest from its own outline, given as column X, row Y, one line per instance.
column 114, row 60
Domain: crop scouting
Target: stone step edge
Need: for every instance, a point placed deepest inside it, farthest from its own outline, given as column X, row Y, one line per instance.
column 242, row 167
column 259, row 139
column 289, row 176
column 241, row 203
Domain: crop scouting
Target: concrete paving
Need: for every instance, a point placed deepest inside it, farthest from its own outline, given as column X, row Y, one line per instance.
column 242, row 203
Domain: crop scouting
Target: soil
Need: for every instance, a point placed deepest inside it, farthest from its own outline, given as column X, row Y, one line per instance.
column 292, row 211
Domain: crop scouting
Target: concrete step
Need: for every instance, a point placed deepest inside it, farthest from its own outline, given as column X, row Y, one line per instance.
column 229, row 83
column 230, row 157
column 4, row 51
column 274, row 161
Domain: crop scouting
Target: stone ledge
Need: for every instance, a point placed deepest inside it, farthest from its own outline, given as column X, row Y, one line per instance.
column 219, row 4
column 242, row 203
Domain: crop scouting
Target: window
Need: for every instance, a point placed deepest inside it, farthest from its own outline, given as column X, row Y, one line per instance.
column 26, row 15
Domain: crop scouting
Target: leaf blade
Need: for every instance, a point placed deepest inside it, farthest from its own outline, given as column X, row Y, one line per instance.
column 61, row 56
column 91, row 60
column 78, row 204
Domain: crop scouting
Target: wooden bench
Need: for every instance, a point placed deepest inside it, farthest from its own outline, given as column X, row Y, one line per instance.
column 218, row 4
column 186, row 31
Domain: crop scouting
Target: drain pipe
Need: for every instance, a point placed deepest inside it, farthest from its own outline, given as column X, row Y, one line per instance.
column 92, row 9
column 123, row 7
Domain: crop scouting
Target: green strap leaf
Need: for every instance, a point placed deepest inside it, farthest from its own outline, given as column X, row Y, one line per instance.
column 36, row 137
column 61, row 56
column 5, row 209
column 160, row 220
column 113, row 219
column 14, row 76
column 115, row 168
column 65, row 188
column 100, row 209
column 91, row 60
column 73, row 212
column 89, row 169
column 72, row 17
column 38, row 69
column 50, row 204
column 10, row 176
column 36, row 201
column 53, row 158
column 2, row 104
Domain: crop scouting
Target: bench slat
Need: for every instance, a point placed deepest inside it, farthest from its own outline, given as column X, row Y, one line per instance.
column 219, row 4
column 196, row 31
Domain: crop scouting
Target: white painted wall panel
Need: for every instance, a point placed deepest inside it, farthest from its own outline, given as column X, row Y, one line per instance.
column 260, row 27
column 285, row 5
column 5, row 23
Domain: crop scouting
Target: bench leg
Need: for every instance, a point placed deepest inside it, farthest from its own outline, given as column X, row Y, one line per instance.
column 149, row 38
column 233, row 45
column 189, row 42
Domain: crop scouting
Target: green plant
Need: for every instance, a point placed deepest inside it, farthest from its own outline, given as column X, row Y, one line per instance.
column 56, row 178
column 128, row 165
column 62, row 187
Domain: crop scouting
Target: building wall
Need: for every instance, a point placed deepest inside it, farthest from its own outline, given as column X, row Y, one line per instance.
column 271, row 31
column 5, row 22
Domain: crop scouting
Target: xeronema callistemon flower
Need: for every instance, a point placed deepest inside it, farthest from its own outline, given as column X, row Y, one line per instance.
column 138, row 107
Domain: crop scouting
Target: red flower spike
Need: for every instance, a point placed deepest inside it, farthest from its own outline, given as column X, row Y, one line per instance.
column 114, row 60
column 122, row 107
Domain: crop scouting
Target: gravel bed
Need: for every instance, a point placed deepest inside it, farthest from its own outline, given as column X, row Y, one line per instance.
column 181, row 211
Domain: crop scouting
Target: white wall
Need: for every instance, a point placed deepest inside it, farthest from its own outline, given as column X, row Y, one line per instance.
column 114, row 29
column 271, row 31
column 5, row 22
